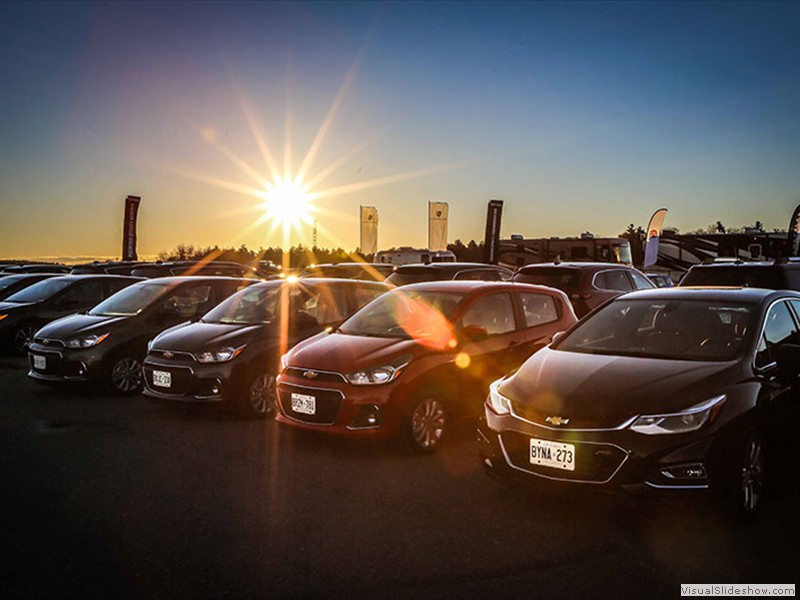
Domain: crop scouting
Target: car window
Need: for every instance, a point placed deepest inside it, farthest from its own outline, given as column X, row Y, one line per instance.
column 779, row 329
column 538, row 309
column 494, row 313
column 640, row 282
column 478, row 275
column 84, row 293
column 366, row 294
column 115, row 285
column 326, row 303
column 614, row 279
column 191, row 301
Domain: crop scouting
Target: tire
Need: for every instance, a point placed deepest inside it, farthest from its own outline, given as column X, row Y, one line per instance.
column 745, row 492
column 23, row 336
column 425, row 423
column 124, row 376
column 257, row 399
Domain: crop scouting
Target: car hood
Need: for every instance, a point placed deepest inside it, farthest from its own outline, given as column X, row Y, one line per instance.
column 194, row 337
column 593, row 390
column 343, row 353
column 74, row 325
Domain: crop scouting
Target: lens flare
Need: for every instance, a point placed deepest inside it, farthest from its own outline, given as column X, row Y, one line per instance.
column 288, row 202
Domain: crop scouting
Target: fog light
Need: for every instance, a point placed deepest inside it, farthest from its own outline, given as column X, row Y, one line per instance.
column 81, row 369
column 369, row 415
column 690, row 471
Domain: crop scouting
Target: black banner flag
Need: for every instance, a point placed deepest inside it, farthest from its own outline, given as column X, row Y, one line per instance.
column 491, row 242
column 129, row 228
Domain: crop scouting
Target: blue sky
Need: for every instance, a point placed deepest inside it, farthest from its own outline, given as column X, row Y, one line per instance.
column 580, row 116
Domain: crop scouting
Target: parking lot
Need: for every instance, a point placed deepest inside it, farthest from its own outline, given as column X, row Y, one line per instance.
column 105, row 496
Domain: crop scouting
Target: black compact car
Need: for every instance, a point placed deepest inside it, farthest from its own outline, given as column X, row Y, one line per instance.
column 587, row 284
column 109, row 342
column 23, row 313
column 11, row 284
column 670, row 390
column 350, row 270
column 232, row 354
column 457, row 271
column 778, row 274
column 190, row 267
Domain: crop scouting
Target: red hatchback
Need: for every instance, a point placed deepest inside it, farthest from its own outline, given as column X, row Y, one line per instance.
column 409, row 361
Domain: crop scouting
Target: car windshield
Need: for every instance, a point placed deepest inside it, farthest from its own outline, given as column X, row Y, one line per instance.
column 671, row 329
column 251, row 306
column 132, row 300
column 41, row 291
column 406, row 314
column 7, row 282
column 561, row 278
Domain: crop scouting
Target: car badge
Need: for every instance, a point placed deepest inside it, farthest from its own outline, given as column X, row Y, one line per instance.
column 557, row 421
column 310, row 374
column 46, row 342
column 168, row 354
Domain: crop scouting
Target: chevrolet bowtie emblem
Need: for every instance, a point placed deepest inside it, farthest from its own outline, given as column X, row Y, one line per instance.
column 557, row 421
column 168, row 354
column 310, row 374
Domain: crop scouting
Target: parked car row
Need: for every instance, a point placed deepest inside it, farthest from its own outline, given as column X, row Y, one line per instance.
column 670, row 389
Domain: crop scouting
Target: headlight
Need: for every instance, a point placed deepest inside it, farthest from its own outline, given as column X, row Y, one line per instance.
column 691, row 419
column 221, row 355
column 90, row 341
column 378, row 375
column 284, row 361
column 496, row 401
column 150, row 344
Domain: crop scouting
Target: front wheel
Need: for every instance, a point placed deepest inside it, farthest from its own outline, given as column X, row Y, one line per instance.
column 124, row 377
column 258, row 398
column 746, row 484
column 426, row 423
column 24, row 336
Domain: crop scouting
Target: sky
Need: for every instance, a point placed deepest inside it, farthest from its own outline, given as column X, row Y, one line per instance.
column 579, row 116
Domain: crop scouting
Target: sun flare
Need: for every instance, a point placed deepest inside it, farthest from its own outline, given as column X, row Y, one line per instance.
column 288, row 202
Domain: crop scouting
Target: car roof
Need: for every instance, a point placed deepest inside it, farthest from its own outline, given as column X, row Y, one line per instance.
column 748, row 295
column 470, row 285
column 176, row 279
column 598, row 266
column 99, row 276
column 449, row 265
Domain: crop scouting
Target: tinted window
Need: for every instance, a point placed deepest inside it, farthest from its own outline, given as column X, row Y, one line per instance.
column 538, row 309
column 85, row 293
column 131, row 301
column 478, row 275
column 115, row 285
column 40, row 291
column 325, row 303
column 494, row 313
column 745, row 276
column 640, row 282
column 616, row 280
column 563, row 279
column 190, row 301
column 366, row 294
column 779, row 329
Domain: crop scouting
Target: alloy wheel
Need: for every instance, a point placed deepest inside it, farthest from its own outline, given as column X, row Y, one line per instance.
column 24, row 336
column 752, row 475
column 126, row 375
column 262, row 393
column 427, row 423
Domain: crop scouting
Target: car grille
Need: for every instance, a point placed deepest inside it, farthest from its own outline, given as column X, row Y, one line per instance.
column 328, row 403
column 173, row 357
column 181, row 383
column 594, row 462
column 317, row 377
column 50, row 342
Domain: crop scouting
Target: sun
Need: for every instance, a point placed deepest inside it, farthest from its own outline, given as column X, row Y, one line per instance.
column 288, row 202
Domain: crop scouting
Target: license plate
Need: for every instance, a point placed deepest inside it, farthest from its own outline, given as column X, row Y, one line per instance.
column 39, row 362
column 552, row 454
column 306, row 405
column 162, row 379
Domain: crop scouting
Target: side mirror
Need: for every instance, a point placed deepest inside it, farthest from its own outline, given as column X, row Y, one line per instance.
column 473, row 333
column 557, row 336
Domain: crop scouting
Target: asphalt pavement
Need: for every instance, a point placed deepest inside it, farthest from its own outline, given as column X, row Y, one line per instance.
column 123, row 497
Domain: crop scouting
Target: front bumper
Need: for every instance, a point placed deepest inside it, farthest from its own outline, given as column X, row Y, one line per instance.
column 190, row 381
column 339, row 408
column 57, row 364
column 604, row 458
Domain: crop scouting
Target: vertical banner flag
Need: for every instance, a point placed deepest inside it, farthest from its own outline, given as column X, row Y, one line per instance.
column 369, row 230
column 129, row 228
column 491, row 241
column 653, row 233
column 437, row 225
column 794, row 238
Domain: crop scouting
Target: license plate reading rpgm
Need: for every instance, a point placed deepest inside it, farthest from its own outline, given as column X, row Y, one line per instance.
column 162, row 379
column 552, row 454
column 39, row 362
column 306, row 405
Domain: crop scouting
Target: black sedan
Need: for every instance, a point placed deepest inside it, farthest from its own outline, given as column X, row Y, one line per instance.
column 109, row 342
column 23, row 313
column 232, row 354
column 673, row 389
column 11, row 284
